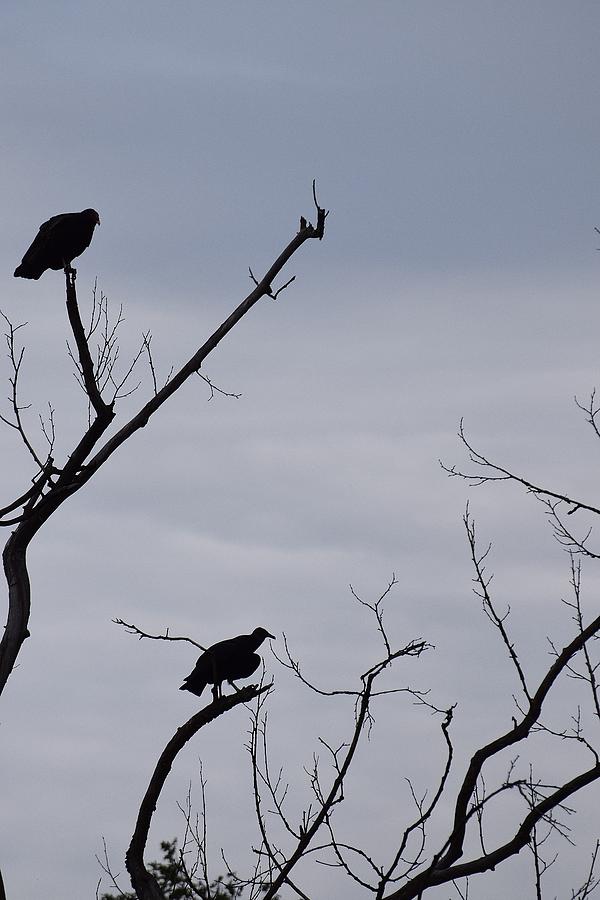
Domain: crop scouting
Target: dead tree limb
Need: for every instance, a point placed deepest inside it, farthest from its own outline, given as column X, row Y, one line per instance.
column 80, row 465
column 143, row 882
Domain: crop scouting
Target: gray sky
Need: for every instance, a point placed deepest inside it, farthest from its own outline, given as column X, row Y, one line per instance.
column 456, row 147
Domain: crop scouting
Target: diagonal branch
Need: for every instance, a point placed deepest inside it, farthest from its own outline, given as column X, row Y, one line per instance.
column 76, row 473
column 262, row 289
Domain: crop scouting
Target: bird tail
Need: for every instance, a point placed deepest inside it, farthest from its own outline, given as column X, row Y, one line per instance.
column 23, row 272
column 197, row 689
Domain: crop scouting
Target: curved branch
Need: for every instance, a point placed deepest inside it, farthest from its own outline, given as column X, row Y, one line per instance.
column 425, row 814
column 20, row 501
column 143, row 882
column 490, row 860
column 443, row 868
column 516, row 734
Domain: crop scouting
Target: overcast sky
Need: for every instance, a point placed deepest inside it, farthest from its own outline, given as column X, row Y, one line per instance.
column 456, row 145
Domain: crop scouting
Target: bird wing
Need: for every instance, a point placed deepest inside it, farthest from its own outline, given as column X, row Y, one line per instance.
column 230, row 645
column 36, row 253
column 45, row 226
column 59, row 240
column 215, row 663
column 203, row 667
column 244, row 667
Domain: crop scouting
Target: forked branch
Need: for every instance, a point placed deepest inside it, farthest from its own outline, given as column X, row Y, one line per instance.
column 542, row 801
column 48, row 493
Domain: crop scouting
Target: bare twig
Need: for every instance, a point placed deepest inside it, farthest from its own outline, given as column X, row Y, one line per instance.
column 491, row 472
column 147, row 339
column 16, row 356
column 285, row 868
column 482, row 582
column 377, row 609
column 216, row 390
column 104, row 864
column 592, row 881
column 133, row 629
column 425, row 812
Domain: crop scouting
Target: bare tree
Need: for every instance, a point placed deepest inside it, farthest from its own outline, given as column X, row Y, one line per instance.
column 274, row 866
column 465, row 808
column 56, row 481
column 464, row 842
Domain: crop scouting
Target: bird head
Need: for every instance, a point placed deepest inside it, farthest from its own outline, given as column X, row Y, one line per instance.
column 262, row 633
column 93, row 215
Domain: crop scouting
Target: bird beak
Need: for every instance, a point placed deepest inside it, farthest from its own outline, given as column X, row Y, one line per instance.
column 271, row 636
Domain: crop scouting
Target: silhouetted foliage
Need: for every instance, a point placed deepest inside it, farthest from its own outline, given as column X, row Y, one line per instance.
column 177, row 884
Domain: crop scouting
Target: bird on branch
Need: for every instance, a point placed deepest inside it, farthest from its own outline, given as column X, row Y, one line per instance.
column 226, row 661
column 58, row 242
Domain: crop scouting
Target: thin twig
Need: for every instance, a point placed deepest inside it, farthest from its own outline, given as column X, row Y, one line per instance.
column 133, row 629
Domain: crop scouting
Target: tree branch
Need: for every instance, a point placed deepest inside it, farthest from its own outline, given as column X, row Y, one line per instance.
column 102, row 409
column 483, row 593
column 489, row 861
column 143, row 882
column 443, row 868
column 74, row 474
column 499, row 473
column 307, row 835
column 262, row 289
column 133, row 629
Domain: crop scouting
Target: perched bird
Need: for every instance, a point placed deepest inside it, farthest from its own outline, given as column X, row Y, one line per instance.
column 58, row 242
column 226, row 661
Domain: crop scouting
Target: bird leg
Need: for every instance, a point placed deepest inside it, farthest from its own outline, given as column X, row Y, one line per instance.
column 216, row 689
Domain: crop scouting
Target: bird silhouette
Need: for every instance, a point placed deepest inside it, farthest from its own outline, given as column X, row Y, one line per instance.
column 226, row 661
column 58, row 242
